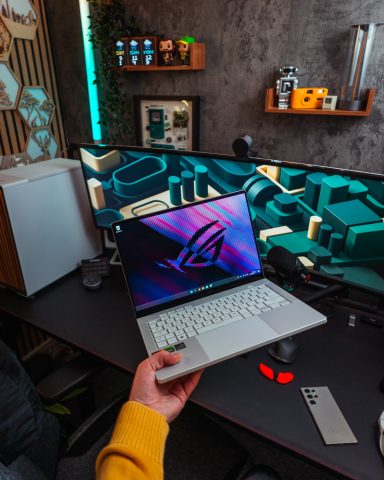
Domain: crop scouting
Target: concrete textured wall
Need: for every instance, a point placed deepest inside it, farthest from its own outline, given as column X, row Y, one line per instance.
column 246, row 40
column 68, row 55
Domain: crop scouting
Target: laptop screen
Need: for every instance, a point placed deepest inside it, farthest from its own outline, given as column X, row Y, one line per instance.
column 185, row 251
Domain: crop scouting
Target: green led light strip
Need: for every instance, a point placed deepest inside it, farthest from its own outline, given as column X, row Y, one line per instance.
column 90, row 68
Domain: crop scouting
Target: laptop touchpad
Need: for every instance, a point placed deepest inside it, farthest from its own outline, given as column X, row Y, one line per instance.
column 236, row 337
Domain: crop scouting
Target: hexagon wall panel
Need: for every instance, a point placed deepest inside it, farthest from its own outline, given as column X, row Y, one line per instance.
column 20, row 18
column 41, row 145
column 36, row 107
column 9, row 88
column 6, row 41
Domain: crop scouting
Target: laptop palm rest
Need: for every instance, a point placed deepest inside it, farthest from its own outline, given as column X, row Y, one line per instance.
column 219, row 344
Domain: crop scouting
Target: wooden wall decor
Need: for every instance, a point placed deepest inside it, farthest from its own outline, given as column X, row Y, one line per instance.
column 9, row 88
column 41, row 145
column 35, row 107
column 32, row 63
column 20, row 18
column 6, row 41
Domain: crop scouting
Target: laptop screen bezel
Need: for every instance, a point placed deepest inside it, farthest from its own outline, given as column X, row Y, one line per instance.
column 173, row 303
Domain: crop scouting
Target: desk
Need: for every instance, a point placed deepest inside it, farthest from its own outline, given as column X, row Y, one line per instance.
column 350, row 361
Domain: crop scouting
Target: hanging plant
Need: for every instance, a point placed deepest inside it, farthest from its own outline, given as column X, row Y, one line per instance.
column 108, row 24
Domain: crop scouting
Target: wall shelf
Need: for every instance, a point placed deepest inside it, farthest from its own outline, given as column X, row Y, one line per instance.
column 270, row 107
column 197, row 62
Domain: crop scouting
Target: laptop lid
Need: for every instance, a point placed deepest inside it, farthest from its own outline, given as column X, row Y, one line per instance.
column 183, row 253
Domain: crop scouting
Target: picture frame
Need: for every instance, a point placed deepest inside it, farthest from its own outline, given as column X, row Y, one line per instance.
column 41, row 145
column 6, row 42
column 36, row 107
column 10, row 88
column 20, row 18
column 171, row 122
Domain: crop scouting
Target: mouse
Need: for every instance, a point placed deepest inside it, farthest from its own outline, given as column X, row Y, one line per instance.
column 284, row 350
column 92, row 282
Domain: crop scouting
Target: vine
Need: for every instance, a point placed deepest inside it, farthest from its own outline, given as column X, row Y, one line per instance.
column 108, row 24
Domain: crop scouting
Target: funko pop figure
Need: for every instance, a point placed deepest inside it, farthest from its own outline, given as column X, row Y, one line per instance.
column 166, row 48
column 183, row 51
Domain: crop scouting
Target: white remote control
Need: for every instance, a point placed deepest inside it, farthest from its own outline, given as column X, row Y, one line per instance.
column 327, row 415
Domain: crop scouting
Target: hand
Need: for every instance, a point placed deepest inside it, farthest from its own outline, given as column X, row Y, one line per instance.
column 168, row 399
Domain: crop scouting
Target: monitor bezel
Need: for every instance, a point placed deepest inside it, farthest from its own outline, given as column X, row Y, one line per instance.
column 256, row 160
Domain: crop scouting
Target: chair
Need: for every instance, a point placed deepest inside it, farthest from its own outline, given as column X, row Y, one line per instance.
column 31, row 447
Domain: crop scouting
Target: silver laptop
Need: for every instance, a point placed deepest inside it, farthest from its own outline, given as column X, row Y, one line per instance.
column 197, row 286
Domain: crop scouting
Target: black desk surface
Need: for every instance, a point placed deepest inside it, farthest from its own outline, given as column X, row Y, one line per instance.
column 350, row 361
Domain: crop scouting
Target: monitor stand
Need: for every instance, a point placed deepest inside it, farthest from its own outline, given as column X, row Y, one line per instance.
column 115, row 258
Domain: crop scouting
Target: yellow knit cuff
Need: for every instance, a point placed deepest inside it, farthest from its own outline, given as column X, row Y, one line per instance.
column 142, row 429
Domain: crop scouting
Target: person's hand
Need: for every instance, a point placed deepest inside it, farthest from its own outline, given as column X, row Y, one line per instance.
column 168, row 399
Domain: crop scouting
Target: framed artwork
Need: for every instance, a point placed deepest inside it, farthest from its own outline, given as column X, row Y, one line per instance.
column 9, row 88
column 19, row 17
column 167, row 121
column 41, row 145
column 36, row 107
column 6, row 40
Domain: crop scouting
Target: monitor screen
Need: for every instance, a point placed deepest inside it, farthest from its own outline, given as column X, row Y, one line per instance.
column 331, row 218
column 180, row 252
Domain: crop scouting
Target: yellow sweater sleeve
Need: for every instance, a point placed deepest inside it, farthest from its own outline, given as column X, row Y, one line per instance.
column 136, row 449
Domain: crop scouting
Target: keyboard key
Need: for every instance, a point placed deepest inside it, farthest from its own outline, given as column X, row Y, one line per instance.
column 159, row 333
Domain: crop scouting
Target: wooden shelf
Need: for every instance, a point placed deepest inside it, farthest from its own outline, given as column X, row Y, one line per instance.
column 270, row 107
column 197, row 62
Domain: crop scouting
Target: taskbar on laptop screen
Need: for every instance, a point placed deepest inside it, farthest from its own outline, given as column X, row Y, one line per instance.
column 187, row 251
column 332, row 219
column 195, row 291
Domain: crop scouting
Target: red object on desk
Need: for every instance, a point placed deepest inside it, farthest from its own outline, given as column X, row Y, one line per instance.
column 266, row 371
column 284, row 377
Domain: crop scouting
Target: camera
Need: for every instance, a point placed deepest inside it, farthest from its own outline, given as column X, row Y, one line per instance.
column 308, row 97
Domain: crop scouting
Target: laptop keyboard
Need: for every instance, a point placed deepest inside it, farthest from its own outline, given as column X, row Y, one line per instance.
column 186, row 322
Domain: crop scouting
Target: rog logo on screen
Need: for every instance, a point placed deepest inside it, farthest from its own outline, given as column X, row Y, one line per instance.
column 202, row 250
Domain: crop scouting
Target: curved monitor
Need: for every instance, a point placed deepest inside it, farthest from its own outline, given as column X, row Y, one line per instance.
column 331, row 218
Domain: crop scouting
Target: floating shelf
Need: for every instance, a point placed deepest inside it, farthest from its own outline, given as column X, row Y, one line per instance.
column 197, row 62
column 270, row 102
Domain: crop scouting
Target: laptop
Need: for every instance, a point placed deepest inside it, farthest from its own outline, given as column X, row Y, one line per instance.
column 196, row 283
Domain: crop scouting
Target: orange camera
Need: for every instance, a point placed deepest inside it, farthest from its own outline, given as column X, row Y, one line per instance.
column 308, row 97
